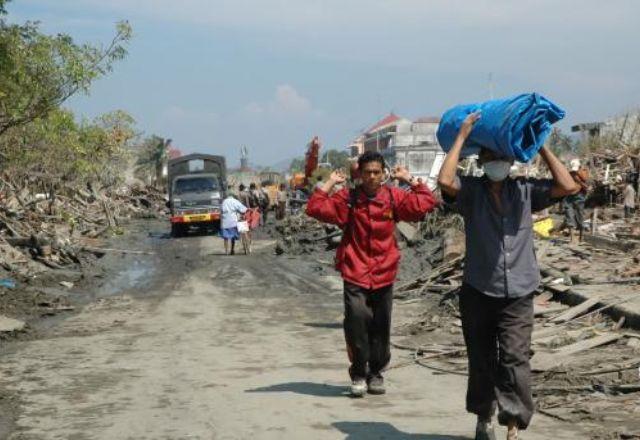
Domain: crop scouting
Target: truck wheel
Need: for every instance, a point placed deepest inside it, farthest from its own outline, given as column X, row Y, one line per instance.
column 177, row 230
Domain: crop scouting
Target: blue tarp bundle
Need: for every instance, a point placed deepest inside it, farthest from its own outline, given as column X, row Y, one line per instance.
column 515, row 127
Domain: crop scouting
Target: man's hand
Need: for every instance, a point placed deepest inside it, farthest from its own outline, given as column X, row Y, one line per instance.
column 447, row 180
column 401, row 173
column 467, row 125
column 338, row 177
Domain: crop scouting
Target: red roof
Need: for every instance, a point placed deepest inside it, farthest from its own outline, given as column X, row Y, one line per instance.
column 390, row 119
column 174, row 153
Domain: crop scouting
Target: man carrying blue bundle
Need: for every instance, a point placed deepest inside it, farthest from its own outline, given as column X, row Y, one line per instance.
column 500, row 276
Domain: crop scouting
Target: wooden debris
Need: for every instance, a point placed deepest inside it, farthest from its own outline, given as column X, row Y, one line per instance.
column 576, row 310
column 8, row 325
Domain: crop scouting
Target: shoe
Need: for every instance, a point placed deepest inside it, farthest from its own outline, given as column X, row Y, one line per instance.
column 358, row 387
column 485, row 431
column 376, row 384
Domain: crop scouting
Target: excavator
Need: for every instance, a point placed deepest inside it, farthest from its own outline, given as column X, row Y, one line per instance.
column 301, row 181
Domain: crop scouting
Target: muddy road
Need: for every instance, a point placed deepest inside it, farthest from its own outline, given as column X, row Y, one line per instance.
column 198, row 345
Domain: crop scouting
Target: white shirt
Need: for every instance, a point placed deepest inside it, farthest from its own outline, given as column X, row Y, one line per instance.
column 230, row 209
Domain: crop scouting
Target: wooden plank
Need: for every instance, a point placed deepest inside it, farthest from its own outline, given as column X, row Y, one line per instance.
column 539, row 310
column 600, row 241
column 576, row 310
column 588, row 344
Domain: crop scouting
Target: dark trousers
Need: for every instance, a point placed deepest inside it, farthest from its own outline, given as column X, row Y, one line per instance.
column 497, row 333
column 629, row 211
column 367, row 328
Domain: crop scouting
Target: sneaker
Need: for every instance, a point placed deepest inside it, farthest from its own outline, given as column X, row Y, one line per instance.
column 358, row 387
column 485, row 431
column 376, row 384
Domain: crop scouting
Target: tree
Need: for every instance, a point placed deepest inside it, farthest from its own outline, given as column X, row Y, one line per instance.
column 297, row 165
column 63, row 150
column 337, row 158
column 39, row 72
column 151, row 156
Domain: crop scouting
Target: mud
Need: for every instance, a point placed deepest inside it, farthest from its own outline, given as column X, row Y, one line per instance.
column 206, row 346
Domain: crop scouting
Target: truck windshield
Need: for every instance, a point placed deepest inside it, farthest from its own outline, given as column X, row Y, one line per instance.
column 196, row 184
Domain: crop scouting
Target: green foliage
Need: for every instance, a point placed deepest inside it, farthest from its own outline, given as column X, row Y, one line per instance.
column 38, row 72
column 297, row 165
column 40, row 140
column 337, row 158
column 150, row 156
column 63, row 150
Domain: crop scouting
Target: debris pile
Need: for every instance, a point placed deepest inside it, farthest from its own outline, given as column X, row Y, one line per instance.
column 40, row 230
column 48, row 239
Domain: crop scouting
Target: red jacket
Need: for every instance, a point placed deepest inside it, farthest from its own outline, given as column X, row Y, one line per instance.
column 368, row 255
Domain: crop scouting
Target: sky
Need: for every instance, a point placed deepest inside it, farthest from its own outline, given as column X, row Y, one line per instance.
column 270, row 74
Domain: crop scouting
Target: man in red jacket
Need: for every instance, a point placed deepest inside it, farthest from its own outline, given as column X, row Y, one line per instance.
column 368, row 258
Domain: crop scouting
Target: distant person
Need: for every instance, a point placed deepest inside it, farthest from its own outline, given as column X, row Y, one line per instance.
column 246, row 198
column 281, row 200
column 629, row 196
column 231, row 209
column 257, row 201
column 500, row 277
column 265, row 203
column 573, row 205
column 368, row 258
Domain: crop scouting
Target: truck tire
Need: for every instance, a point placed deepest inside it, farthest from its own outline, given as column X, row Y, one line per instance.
column 177, row 230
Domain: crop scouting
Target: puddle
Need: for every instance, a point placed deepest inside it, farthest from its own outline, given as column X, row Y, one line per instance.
column 136, row 274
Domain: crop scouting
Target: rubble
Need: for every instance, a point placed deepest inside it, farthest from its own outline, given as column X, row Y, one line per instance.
column 41, row 231
column 50, row 238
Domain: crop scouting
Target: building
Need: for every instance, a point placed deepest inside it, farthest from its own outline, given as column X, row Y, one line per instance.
column 623, row 129
column 405, row 142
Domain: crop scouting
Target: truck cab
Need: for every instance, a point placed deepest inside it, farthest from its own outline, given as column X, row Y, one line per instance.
column 197, row 185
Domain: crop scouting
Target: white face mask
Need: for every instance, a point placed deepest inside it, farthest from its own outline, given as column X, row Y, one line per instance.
column 497, row 170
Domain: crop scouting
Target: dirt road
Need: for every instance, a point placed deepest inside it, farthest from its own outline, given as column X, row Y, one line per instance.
column 216, row 347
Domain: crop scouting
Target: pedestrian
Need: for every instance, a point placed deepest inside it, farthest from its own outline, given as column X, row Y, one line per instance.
column 257, row 201
column 368, row 258
column 281, row 199
column 265, row 203
column 231, row 209
column 629, row 195
column 500, row 276
column 573, row 205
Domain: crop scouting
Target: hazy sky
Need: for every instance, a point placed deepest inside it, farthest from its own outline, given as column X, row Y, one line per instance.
column 214, row 75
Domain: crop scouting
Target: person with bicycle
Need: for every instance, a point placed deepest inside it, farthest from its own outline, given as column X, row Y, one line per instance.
column 368, row 257
column 231, row 209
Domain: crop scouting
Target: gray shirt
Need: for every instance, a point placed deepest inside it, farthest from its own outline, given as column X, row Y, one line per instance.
column 501, row 260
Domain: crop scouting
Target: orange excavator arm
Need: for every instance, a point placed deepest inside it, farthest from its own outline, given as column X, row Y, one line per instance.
column 311, row 159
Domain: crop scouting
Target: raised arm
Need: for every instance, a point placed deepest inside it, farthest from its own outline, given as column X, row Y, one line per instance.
column 330, row 209
column 447, row 179
column 563, row 183
column 412, row 206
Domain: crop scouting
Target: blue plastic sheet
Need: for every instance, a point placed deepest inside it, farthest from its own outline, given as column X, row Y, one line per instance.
column 515, row 127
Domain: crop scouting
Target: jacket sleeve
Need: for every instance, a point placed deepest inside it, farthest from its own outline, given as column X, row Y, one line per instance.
column 413, row 205
column 329, row 209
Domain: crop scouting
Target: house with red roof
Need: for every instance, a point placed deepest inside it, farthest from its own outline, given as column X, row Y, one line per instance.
column 404, row 142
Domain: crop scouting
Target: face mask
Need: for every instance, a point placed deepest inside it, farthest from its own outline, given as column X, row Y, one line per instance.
column 497, row 170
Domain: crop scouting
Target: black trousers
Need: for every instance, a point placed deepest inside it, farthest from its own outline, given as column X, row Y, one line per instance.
column 367, row 328
column 497, row 333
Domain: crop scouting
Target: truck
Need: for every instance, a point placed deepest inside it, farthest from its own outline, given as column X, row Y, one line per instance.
column 197, row 184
